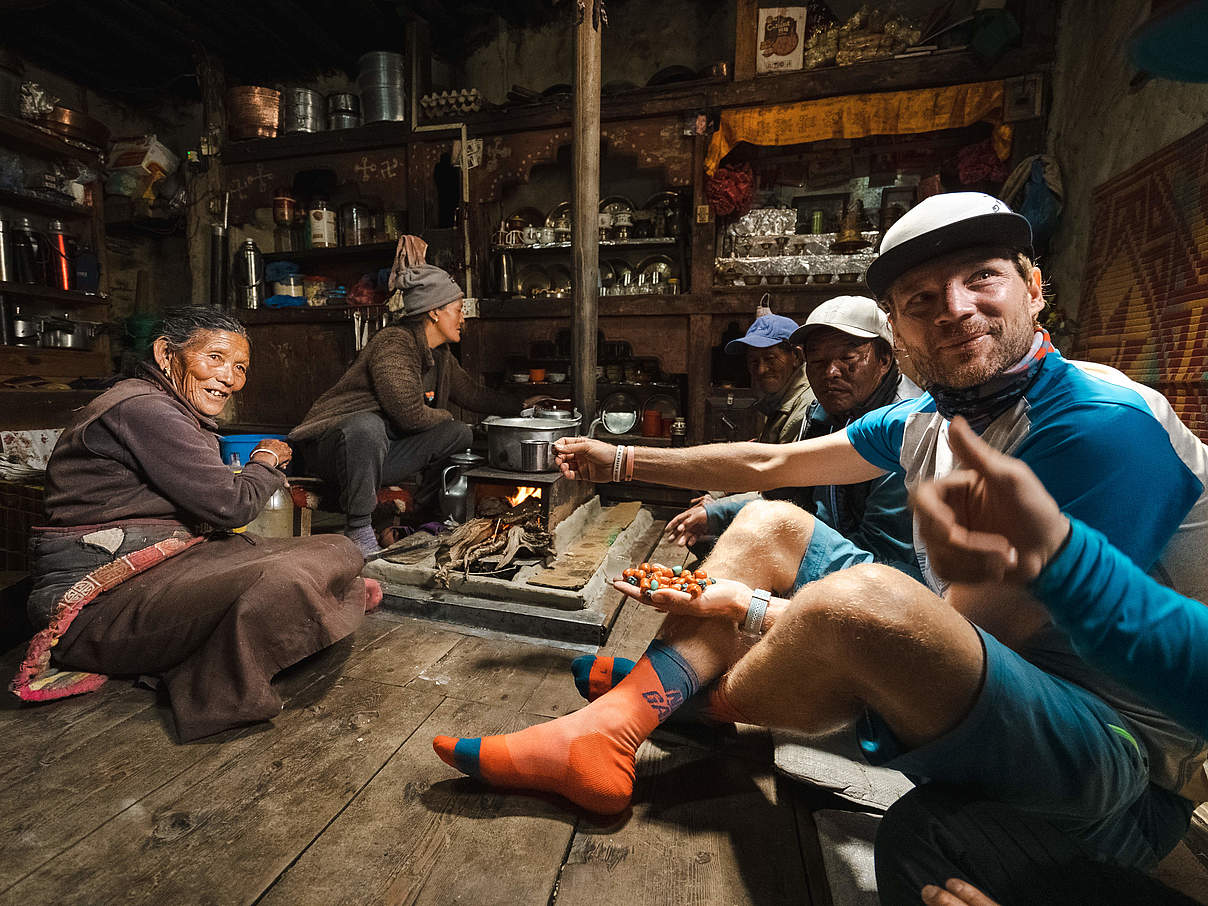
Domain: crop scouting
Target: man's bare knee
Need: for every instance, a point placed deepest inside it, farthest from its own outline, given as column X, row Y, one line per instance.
column 764, row 544
column 856, row 613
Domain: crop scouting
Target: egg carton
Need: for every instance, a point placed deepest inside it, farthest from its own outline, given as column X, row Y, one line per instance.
column 440, row 105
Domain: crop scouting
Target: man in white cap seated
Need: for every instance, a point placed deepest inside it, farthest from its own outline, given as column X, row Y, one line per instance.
column 967, row 685
column 387, row 419
column 774, row 362
column 850, row 365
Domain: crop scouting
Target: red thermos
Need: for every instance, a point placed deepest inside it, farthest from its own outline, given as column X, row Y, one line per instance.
column 62, row 253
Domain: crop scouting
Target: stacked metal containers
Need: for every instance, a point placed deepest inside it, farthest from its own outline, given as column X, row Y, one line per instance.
column 302, row 110
column 380, row 80
column 343, row 111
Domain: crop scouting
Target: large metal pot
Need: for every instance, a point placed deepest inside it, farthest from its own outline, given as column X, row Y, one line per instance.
column 505, row 435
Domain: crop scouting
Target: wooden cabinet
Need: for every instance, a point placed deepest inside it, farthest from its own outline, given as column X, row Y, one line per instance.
column 39, row 148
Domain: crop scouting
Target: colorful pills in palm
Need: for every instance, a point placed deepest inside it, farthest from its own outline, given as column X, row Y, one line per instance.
column 650, row 577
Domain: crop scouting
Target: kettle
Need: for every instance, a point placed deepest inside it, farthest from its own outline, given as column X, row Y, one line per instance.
column 455, row 495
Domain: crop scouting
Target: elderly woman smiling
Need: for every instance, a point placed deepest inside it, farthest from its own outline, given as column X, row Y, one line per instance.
column 136, row 572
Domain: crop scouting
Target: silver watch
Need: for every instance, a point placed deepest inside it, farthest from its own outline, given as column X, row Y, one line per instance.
column 752, row 626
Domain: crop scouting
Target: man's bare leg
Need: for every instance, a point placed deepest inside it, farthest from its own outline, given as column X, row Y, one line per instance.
column 868, row 636
column 589, row 756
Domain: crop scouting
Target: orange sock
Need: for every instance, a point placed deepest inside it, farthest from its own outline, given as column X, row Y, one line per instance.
column 588, row 756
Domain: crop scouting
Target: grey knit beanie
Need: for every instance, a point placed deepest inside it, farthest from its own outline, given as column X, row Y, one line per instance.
column 423, row 288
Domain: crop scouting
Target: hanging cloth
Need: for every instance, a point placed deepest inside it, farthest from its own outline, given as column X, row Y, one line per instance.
column 857, row 116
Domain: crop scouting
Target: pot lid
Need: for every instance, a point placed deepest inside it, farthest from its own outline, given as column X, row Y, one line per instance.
column 497, row 421
column 465, row 459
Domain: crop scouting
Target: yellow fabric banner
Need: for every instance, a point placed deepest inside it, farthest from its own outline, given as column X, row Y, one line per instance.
column 857, row 115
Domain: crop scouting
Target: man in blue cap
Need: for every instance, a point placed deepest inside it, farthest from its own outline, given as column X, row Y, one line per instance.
column 777, row 373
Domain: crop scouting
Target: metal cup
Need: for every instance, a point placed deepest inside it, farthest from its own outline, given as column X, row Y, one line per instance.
column 536, row 455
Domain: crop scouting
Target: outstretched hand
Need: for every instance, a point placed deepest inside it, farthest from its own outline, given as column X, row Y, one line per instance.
column 584, row 458
column 686, row 528
column 990, row 521
column 725, row 599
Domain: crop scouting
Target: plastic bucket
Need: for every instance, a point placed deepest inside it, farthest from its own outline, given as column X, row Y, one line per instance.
column 242, row 445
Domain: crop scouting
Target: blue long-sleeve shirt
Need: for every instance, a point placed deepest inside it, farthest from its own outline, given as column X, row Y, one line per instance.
column 1139, row 632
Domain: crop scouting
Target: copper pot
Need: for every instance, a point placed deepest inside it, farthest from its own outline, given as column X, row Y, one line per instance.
column 252, row 112
column 80, row 126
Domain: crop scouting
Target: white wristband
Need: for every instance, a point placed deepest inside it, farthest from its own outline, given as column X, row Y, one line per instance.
column 752, row 626
column 276, row 458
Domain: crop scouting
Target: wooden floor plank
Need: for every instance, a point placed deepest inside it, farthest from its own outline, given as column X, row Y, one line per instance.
column 125, row 759
column 420, row 834
column 403, row 654
column 258, row 806
column 555, row 695
column 705, row 830
column 491, row 671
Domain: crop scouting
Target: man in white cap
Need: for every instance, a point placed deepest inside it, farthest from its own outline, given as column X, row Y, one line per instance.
column 774, row 363
column 966, row 685
column 849, row 362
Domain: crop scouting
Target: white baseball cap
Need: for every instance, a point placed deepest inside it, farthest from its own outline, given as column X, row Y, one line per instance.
column 859, row 316
column 942, row 224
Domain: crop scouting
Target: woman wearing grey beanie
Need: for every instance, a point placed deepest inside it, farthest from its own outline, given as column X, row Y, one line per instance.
column 387, row 419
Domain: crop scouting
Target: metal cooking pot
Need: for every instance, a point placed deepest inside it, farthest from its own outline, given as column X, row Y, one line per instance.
column 505, row 435
column 62, row 333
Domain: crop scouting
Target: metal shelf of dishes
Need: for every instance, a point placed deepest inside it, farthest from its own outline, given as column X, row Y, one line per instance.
column 604, row 243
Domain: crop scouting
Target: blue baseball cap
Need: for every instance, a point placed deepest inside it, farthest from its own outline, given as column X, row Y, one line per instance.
column 768, row 330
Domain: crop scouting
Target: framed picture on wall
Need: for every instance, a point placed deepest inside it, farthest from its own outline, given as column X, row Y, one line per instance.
column 780, row 39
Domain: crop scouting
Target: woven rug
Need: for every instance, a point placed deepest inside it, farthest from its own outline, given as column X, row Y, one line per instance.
column 1144, row 305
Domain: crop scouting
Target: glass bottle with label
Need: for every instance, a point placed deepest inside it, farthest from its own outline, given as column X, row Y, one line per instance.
column 323, row 232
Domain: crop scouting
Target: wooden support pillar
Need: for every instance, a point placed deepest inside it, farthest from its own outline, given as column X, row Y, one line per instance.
column 585, row 200
column 746, row 38
column 700, row 346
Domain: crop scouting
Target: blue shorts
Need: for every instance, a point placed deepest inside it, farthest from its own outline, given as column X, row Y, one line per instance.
column 828, row 552
column 1046, row 746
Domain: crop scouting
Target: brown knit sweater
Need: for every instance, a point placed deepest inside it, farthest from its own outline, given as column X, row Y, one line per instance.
column 388, row 377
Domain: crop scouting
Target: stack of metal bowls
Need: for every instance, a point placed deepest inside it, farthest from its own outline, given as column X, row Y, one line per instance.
column 380, row 79
column 302, row 110
column 252, row 112
column 343, row 111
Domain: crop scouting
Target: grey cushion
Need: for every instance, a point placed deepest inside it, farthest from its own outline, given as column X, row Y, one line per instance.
column 834, row 763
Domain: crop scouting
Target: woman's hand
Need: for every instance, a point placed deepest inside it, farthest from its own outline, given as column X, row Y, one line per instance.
column 725, row 600
column 686, row 528
column 585, row 459
column 269, row 448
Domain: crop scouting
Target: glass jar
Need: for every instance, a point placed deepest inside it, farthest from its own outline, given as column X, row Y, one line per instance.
column 322, row 220
column 356, row 224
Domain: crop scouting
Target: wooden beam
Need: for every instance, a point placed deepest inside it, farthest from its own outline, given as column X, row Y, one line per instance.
column 585, row 201
column 746, row 22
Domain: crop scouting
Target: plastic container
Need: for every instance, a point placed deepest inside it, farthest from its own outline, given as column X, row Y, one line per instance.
column 242, row 445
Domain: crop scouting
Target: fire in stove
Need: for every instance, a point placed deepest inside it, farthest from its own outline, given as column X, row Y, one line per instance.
column 522, row 494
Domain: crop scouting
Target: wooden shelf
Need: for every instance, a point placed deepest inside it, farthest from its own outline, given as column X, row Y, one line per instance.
column 317, row 314
column 69, row 298
column 42, row 205
column 720, row 301
column 660, row 242
column 25, row 410
column 53, row 363
column 307, row 144
column 337, row 254
column 23, row 136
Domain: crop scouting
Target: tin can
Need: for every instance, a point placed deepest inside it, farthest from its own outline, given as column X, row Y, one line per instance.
column 679, row 433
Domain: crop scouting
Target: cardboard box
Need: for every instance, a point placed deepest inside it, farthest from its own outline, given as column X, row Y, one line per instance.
column 780, row 40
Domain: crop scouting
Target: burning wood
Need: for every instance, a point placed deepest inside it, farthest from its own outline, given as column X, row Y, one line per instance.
column 498, row 533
